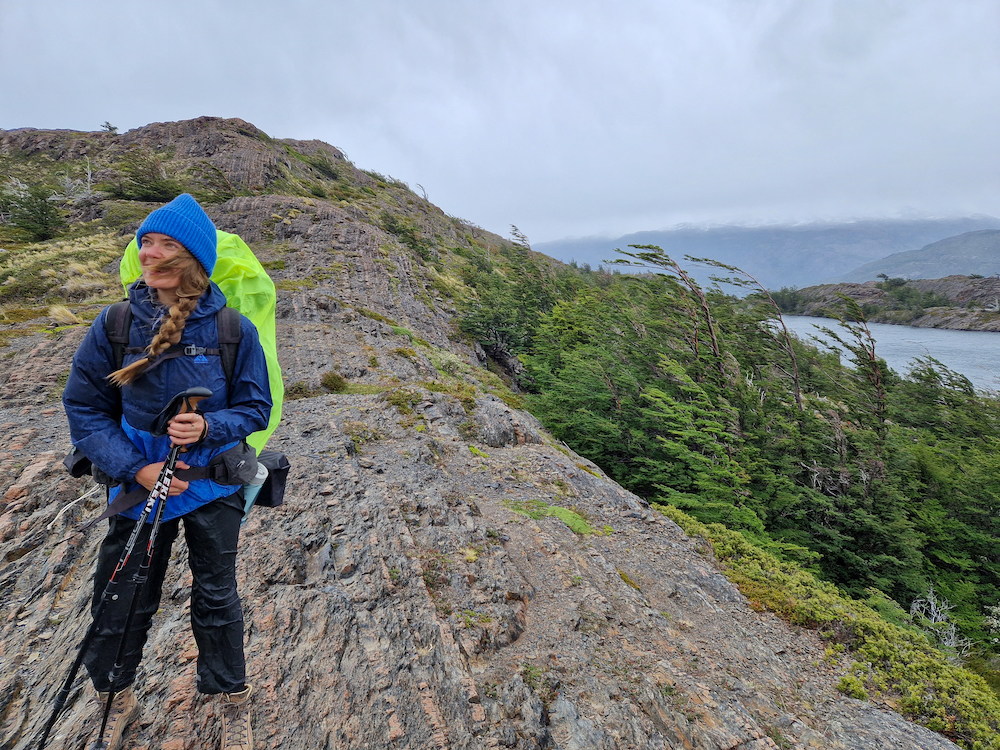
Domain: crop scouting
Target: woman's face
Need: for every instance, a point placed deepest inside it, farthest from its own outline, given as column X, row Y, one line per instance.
column 158, row 247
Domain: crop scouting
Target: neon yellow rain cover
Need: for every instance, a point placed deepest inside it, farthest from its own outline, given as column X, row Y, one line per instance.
column 250, row 290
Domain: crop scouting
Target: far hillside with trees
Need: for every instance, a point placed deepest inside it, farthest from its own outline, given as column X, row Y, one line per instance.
column 960, row 302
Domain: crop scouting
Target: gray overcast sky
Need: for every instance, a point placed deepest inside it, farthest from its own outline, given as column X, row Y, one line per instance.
column 564, row 117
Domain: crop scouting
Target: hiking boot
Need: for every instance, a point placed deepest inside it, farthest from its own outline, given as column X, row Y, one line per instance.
column 124, row 708
column 236, row 734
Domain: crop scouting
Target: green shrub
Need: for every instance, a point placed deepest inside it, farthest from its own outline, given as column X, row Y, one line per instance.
column 334, row 382
column 142, row 177
column 852, row 686
column 889, row 661
column 322, row 164
column 211, row 185
column 407, row 232
column 298, row 390
column 406, row 353
column 445, row 362
column 403, row 399
column 34, row 214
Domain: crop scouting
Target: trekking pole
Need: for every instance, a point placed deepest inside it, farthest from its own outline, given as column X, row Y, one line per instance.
column 186, row 401
column 159, row 497
column 110, row 594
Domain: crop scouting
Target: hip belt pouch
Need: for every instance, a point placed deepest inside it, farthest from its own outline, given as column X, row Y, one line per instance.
column 78, row 465
column 238, row 465
column 272, row 493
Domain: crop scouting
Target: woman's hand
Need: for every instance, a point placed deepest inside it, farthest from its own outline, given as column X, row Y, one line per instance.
column 147, row 475
column 187, row 428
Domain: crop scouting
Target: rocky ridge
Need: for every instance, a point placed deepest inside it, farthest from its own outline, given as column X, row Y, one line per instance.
column 415, row 590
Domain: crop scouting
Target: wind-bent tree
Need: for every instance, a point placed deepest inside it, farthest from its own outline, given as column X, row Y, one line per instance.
column 653, row 257
column 745, row 279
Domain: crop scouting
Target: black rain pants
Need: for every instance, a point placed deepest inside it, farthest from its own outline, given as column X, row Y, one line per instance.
column 212, row 533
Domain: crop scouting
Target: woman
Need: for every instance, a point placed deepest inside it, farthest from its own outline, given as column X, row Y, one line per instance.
column 173, row 345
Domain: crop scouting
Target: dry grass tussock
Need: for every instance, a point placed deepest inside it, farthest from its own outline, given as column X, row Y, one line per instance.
column 62, row 272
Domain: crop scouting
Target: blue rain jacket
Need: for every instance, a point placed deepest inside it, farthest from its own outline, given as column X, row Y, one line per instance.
column 120, row 447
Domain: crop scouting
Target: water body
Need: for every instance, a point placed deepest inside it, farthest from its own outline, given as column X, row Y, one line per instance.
column 974, row 354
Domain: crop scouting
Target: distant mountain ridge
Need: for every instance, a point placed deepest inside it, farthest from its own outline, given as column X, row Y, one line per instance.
column 783, row 255
column 971, row 253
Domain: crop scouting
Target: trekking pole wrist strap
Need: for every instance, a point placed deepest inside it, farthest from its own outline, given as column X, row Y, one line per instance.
column 204, row 429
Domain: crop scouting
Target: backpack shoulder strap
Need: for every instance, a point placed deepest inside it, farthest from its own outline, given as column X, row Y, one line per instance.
column 117, row 324
column 229, row 326
column 227, row 321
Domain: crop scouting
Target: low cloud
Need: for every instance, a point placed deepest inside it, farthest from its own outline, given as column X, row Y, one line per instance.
column 565, row 118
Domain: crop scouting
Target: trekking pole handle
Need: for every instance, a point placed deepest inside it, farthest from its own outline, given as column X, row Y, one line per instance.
column 189, row 404
column 191, row 398
column 182, row 403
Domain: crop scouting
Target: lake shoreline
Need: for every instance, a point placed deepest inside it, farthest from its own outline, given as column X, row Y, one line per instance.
column 975, row 354
column 947, row 318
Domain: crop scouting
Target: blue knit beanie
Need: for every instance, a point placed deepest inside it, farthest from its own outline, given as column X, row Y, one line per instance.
column 185, row 221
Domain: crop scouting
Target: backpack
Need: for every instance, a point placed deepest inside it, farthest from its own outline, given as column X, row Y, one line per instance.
column 250, row 291
column 227, row 323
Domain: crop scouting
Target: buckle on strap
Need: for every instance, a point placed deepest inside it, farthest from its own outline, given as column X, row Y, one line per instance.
column 193, row 351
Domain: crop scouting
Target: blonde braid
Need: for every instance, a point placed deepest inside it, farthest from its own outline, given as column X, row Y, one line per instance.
column 193, row 283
